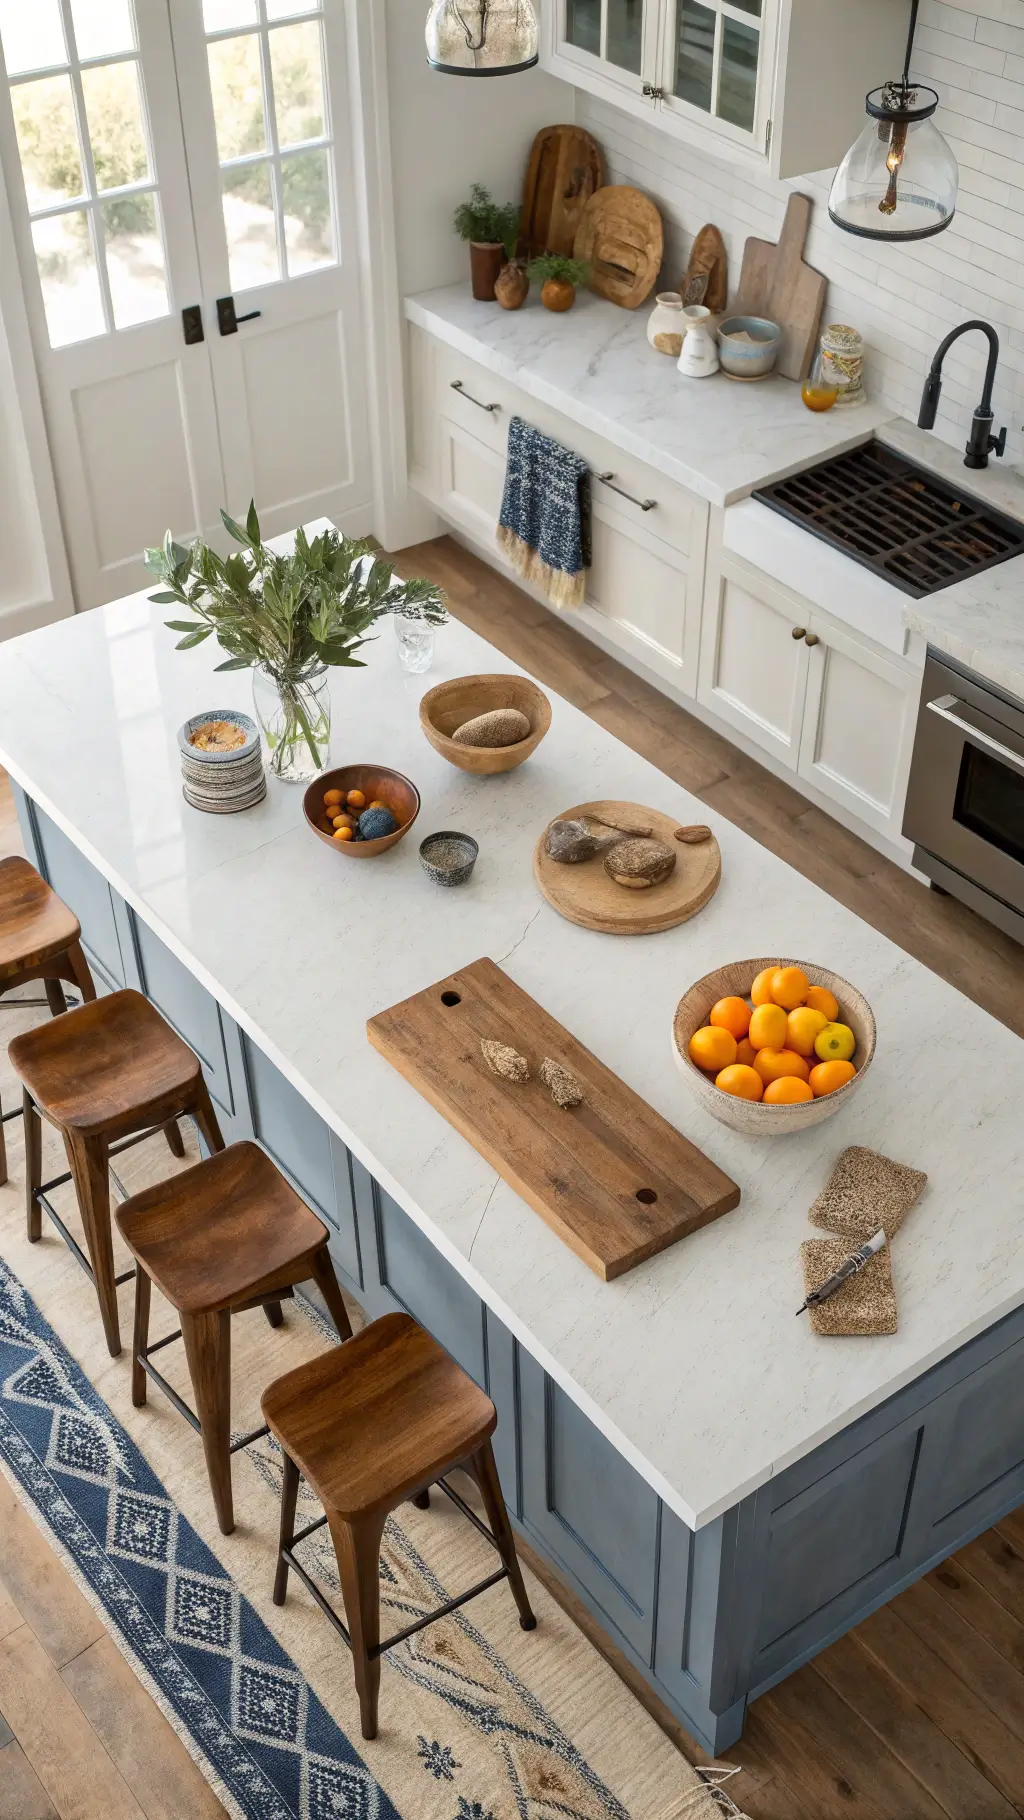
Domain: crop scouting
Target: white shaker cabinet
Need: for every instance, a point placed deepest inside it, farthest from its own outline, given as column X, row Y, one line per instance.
column 777, row 85
column 753, row 659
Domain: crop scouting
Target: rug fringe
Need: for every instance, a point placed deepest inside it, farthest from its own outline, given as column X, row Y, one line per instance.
column 693, row 1801
column 561, row 588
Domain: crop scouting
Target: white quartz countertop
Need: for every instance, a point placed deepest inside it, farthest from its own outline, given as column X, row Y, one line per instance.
column 717, row 436
column 693, row 1364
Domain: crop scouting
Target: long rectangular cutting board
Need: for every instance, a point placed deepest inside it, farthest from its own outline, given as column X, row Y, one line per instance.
column 611, row 1177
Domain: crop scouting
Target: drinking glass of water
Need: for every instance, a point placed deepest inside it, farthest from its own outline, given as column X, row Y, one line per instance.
column 415, row 644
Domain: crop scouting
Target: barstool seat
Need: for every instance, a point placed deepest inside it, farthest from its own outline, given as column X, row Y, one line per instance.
column 107, row 1076
column 369, row 1425
column 227, row 1235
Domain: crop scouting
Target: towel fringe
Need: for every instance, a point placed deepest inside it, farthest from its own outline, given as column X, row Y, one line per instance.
column 560, row 588
column 693, row 1802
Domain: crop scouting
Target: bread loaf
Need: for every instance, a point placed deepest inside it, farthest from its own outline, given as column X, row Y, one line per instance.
column 639, row 864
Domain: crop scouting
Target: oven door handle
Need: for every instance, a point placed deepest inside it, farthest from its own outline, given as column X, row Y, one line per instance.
column 943, row 706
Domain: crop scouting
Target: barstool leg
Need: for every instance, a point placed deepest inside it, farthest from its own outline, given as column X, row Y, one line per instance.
column 55, row 997
column 3, row 1151
column 484, row 1471
column 289, row 1500
column 90, row 1163
column 327, row 1283
column 175, row 1141
column 357, row 1547
column 140, row 1334
column 207, row 1340
column 80, row 968
column 206, row 1118
column 33, row 1165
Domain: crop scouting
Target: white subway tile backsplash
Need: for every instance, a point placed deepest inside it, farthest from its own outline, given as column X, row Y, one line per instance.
column 902, row 298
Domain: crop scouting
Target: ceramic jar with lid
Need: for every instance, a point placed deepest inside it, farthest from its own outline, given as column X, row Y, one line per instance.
column 665, row 324
column 699, row 356
column 842, row 362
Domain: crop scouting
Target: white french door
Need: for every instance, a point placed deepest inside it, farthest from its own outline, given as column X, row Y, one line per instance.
column 176, row 166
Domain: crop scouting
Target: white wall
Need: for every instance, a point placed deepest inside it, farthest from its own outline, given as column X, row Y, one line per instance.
column 903, row 299
column 448, row 132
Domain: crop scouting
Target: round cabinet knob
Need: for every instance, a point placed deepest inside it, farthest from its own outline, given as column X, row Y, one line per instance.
column 811, row 638
column 799, row 631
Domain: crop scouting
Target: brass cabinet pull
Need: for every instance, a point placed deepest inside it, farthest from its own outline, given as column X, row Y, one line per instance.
column 457, row 386
column 799, row 631
column 608, row 480
column 811, row 638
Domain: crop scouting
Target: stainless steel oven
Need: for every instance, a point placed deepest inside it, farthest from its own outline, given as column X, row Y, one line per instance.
column 965, row 802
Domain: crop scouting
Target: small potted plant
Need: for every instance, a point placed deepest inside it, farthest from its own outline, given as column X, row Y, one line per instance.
column 559, row 279
column 288, row 618
column 489, row 227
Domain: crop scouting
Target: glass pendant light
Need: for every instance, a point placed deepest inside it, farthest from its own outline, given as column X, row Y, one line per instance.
column 899, row 181
column 482, row 37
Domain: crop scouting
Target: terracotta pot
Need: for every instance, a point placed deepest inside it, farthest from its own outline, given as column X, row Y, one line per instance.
column 558, row 294
column 486, row 259
column 513, row 285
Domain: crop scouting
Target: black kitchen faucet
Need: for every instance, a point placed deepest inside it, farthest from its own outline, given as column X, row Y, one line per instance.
column 980, row 442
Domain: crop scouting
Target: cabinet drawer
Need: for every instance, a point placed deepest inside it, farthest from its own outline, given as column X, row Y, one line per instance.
column 465, row 390
column 472, row 480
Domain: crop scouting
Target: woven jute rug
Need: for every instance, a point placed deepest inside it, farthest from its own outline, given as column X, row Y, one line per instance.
column 478, row 1719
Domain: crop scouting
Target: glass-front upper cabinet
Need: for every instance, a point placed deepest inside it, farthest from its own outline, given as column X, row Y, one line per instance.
column 740, row 77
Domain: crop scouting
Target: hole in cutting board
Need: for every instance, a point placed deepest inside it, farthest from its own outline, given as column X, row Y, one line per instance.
column 451, row 998
column 647, row 1196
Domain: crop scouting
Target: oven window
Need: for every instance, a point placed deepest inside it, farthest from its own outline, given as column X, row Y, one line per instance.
column 990, row 801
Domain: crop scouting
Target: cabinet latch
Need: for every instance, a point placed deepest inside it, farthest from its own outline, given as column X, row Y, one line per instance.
column 767, row 138
column 652, row 93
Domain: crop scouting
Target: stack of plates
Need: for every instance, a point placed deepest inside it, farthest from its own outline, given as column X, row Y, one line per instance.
column 222, row 782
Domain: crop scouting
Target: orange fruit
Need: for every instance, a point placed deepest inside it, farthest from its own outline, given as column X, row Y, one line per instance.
column 768, row 1027
column 790, row 987
column 333, row 796
column 787, row 1090
column 731, row 1014
column 819, row 998
column 344, row 834
column 761, row 990
column 743, row 1083
column 775, row 1064
column 745, row 1052
column 827, row 1076
column 377, row 804
column 804, row 1024
column 342, row 820
column 712, row 1048
column 356, row 799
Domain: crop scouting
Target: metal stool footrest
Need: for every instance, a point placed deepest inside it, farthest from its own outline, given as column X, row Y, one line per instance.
column 172, row 1396
column 442, row 1611
column 69, row 1238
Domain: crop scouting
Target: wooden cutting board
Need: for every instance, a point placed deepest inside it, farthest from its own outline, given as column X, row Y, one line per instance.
column 621, row 235
column 566, row 166
column 584, row 893
column 708, row 256
column 611, row 1177
column 776, row 283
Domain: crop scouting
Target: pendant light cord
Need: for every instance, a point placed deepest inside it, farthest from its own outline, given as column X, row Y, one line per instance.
column 910, row 43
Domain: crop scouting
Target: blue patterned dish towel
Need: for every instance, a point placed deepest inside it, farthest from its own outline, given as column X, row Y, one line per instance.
column 544, row 528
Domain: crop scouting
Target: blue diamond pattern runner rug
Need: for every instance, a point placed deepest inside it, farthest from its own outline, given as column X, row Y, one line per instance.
column 271, row 1750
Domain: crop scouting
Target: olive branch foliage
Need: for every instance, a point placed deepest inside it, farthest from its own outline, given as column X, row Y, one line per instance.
column 286, row 614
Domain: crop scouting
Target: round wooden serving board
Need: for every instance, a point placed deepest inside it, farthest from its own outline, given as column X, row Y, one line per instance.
column 584, row 893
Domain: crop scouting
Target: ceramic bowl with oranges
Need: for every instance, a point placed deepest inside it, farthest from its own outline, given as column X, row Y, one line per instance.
column 361, row 810
column 771, row 1046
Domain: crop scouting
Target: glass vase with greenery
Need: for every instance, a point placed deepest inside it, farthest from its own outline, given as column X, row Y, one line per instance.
column 288, row 618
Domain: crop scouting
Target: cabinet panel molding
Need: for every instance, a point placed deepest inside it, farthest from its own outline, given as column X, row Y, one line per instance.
column 86, row 892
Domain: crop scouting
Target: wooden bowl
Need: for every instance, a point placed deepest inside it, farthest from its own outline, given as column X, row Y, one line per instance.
column 401, row 796
column 753, row 1116
column 449, row 704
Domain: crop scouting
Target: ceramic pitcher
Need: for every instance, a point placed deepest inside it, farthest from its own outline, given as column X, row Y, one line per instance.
column 699, row 356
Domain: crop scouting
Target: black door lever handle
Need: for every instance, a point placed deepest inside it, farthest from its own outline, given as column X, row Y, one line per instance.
column 227, row 321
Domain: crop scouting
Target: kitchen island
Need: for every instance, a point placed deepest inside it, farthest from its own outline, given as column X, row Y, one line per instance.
column 725, row 1491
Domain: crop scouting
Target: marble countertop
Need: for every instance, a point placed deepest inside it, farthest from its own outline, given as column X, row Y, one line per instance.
column 693, row 1364
column 716, row 436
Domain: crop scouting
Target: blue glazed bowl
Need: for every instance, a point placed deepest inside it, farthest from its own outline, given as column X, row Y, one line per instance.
column 748, row 346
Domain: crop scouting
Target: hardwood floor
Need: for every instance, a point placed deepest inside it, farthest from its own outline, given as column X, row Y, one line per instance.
column 918, row 1714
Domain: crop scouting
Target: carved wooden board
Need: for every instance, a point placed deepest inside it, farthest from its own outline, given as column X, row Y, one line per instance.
column 708, row 255
column 611, row 1177
column 620, row 233
column 585, row 894
column 775, row 283
column 566, row 167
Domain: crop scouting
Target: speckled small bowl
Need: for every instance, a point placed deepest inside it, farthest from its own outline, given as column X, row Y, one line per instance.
column 222, row 783
column 748, row 346
column 447, row 857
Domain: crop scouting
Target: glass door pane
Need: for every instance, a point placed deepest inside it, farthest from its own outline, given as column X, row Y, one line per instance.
column 612, row 30
column 717, row 57
column 80, row 116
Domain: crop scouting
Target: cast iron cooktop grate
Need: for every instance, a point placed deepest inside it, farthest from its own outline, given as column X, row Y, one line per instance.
column 896, row 519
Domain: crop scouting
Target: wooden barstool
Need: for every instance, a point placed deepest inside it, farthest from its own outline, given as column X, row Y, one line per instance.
column 227, row 1235
column 107, row 1076
column 369, row 1425
column 40, row 939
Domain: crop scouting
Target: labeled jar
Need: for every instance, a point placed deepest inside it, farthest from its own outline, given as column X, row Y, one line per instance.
column 842, row 363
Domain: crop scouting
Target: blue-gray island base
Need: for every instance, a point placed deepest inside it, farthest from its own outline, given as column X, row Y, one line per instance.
column 710, row 1618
